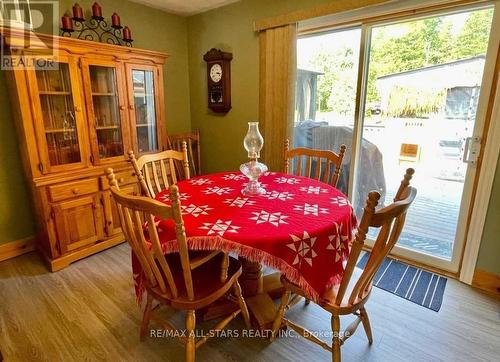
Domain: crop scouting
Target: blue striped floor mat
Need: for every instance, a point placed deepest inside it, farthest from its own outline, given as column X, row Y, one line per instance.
column 416, row 285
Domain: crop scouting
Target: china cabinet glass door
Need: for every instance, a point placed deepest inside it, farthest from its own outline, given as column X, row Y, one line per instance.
column 58, row 111
column 144, row 108
column 105, row 107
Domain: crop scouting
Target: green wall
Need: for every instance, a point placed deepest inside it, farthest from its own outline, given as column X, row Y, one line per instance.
column 229, row 28
column 489, row 251
column 16, row 220
column 151, row 29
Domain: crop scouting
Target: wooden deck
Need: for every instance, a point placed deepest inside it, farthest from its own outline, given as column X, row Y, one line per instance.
column 430, row 225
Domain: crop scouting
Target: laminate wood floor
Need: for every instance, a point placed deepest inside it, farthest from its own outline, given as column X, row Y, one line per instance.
column 88, row 312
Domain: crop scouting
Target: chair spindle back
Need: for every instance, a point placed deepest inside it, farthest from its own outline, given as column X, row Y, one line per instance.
column 133, row 210
column 390, row 220
column 192, row 140
column 325, row 160
column 156, row 172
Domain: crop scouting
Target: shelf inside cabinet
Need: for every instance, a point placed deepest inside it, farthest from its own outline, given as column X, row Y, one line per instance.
column 59, row 130
column 103, row 94
column 102, row 128
column 54, row 93
column 144, row 125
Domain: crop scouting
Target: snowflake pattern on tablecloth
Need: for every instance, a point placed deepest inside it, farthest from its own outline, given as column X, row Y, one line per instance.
column 200, row 181
column 311, row 209
column 337, row 242
column 239, row 202
column 287, row 180
column 339, row 200
column 220, row 227
column 157, row 224
column 292, row 224
column 273, row 218
column 316, row 190
column 234, row 176
column 195, row 210
column 303, row 247
column 276, row 195
column 217, row 190
column 182, row 197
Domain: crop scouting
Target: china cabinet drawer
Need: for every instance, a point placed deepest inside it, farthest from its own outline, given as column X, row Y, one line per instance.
column 123, row 178
column 73, row 189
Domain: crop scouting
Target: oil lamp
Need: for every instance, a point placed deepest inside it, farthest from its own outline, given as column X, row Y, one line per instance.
column 253, row 169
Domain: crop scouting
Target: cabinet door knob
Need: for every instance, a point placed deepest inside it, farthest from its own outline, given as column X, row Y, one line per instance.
column 131, row 107
column 78, row 109
column 75, row 191
column 122, row 107
column 121, row 180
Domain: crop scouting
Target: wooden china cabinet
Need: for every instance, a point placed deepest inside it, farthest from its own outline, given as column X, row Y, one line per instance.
column 74, row 120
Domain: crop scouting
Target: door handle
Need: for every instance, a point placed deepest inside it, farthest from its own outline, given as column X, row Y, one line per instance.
column 472, row 148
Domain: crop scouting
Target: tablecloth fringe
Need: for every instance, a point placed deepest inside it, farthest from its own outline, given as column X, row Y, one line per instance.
column 252, row 254
column 256, row 255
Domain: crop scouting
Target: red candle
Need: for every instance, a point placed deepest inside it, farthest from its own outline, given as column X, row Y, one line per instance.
column 115, row 20
column 77, row 11
column 96, row 10
column 127, row 35
column 67, row 23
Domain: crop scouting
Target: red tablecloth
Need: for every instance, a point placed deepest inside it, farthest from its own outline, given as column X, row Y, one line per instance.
column 301, row 227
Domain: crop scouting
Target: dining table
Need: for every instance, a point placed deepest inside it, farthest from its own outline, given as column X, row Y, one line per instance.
column 300, row 227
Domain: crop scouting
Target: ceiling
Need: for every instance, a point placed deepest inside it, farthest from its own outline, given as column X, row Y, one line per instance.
column 185, row 7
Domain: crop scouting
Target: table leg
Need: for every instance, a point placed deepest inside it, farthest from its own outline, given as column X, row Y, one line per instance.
column 259, row 292
column 251, row 279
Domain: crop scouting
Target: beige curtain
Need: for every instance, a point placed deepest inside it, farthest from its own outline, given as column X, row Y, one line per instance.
column 277, row 90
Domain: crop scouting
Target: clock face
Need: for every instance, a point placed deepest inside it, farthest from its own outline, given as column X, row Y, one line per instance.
column 216, row 73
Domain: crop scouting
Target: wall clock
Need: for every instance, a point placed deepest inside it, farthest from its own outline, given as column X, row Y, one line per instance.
column 218, row 80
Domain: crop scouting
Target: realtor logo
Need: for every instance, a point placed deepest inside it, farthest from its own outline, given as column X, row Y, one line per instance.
column 21, row 21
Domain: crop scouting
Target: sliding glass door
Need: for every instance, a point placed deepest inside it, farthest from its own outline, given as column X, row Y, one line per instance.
column 327, row 74
column 414, row 104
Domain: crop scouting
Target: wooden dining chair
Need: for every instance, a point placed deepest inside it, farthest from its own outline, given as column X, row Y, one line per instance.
column 178, row 280
column 156, row 172
column 325, row 162
column 192, row 140
column 350, row 296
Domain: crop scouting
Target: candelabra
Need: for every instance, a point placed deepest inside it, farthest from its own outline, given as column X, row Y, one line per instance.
column 96, row 28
